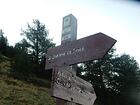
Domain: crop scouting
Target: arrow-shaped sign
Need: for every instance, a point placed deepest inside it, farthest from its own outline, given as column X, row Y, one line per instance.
column 85, row 49
column 69, row 87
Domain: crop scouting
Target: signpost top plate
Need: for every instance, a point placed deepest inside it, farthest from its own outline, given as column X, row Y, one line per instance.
column 85, row 49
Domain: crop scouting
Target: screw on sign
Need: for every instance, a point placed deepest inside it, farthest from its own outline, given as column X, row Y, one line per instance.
column 85, row 49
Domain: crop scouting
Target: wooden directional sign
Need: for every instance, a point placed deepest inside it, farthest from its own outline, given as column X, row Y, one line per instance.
column 69, row 87
column 85, row 49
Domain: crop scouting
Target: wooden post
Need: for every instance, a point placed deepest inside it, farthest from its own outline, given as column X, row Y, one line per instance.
column 69, row 33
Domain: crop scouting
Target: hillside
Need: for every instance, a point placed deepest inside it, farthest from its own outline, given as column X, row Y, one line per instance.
column 16, row 92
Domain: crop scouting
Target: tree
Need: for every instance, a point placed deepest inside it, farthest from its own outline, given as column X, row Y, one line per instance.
column 5, row 65
column 3, row 43
column 128, row 79
column 112, row 77
column 36, row 37
column 22, row 46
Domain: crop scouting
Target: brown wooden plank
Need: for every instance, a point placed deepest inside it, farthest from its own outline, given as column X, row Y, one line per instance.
column 68, row 36
column 85, row 49
column 69, row 87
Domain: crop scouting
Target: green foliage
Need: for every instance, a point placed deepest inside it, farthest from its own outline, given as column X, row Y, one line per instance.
column 24, row 62
column 5, row 65
column 39, row 81
column 22, row 46
column 113, row 77
column 36, row 38
column 29, row 55
column 15, row 92
column 3, row 43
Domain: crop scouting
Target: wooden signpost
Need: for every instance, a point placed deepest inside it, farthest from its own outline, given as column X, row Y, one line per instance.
column 85, row 49
column 69, row 33
column 69, row 87
column 65, row 84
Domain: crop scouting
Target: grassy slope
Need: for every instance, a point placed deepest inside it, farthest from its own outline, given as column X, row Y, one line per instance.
column 16, row 92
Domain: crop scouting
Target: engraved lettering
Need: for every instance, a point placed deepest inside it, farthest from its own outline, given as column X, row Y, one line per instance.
column 68, row 81
column 70, row 52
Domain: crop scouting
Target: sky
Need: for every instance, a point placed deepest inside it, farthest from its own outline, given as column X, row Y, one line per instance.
column 119, row 19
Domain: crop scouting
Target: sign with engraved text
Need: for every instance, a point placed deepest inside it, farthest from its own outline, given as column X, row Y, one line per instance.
column 85, row 49
column 69, row 87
